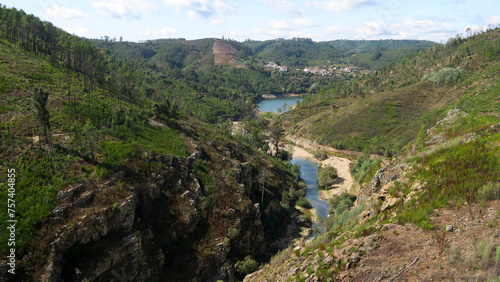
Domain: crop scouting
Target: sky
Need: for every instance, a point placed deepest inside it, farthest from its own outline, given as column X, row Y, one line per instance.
column 320, row 20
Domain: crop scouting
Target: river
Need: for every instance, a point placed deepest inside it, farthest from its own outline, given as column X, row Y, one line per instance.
column 273, row 104
column 309, row 170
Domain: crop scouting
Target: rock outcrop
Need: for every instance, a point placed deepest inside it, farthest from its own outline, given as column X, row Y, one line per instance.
column 119, row 230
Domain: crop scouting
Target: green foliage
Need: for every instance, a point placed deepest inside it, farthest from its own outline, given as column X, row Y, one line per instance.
column 296, row 52
column 39, row 176
column 246, row 266
column 445, row 75
column 365, row 168
column 340, row 203
column 489, row 191
column 485, row 249
column 232, row 233
column 40, row 100
column 326, row 176
column 420, row 140
column 304, row 203
column 295, row 195
column 6, row 85
column 116, row 207
column 454, row 175
column 295, row 169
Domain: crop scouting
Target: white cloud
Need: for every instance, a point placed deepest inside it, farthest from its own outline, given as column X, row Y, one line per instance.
column 217, row 21
column 238, row 33
column 123, row 9
column 156, row 32
column 197, row 9
column 80, row 31
column 276, row 24
column 301, row 34
column 331, row 30
column 223, row 7
column 60, row 12
column 492, row 20
column 303, row 22
column 283, row 6
column 339, row 6
column 409, row 28
column 273, row 33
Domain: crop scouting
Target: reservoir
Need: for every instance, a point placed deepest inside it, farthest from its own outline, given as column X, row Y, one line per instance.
column 273, row 104
column 309, row 172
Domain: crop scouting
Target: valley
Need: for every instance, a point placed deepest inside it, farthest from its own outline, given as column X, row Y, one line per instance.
column 159, row 160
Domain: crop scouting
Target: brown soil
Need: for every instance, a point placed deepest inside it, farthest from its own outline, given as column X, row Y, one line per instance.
column 223, row 53
column 441, row 255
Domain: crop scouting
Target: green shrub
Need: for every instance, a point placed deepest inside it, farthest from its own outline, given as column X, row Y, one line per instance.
column 116, row 207
column 246, row 266
column 490, row 191
column 445, row 75
column 232, row 232
column 320, row 154
column 485, row 249
column 303, row 202
column 326, row 176
column 365, row 168
column 339, row 203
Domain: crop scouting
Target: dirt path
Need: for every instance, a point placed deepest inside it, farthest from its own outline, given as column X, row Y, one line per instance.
column 345, row 180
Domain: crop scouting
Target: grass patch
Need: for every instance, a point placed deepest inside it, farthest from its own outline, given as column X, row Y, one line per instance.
column 455, row 175
column 40, row 175
column 304, row 203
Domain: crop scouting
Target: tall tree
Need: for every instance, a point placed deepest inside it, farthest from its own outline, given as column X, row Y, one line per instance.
column 40, row 98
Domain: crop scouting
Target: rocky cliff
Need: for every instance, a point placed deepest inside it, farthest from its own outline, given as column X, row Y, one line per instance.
column 183, row 220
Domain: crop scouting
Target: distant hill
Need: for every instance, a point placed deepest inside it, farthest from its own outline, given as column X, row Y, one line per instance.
column 385, row 110
column 369, row 46
column 297, row 52
column 303, row 52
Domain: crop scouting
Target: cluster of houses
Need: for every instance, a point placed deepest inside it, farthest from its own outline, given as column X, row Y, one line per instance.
column 325, row 72
column 275, row 66
column 321, row 71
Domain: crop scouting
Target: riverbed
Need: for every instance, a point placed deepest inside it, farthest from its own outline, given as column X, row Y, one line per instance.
column 309, row 169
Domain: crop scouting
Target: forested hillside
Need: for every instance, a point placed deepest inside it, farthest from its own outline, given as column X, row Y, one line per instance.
column 367, row 54
column 109, row 169
column 385, row 110
column 126, row 164
column 429, row 209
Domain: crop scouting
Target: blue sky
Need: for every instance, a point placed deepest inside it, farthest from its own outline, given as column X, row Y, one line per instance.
column 320, row 20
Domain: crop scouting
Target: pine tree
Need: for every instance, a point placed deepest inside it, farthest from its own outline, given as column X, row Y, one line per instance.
column 40, row 98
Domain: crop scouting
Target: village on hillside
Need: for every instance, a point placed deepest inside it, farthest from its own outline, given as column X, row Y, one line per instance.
column 323, row 70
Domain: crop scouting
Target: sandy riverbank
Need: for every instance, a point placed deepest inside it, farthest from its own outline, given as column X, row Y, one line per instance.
column 345, row 180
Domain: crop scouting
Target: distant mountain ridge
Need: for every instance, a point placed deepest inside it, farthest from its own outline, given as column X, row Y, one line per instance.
column 373, row 45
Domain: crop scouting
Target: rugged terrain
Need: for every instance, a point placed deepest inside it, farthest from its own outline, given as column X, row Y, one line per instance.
column 127, row 170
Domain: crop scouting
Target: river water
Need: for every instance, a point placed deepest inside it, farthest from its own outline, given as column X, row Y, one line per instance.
column 273, row 104
column 309, row 172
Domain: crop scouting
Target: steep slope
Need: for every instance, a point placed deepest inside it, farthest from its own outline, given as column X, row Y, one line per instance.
column 385, row 110
column 109, row 186
column 224, row 53
column 432, row 212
